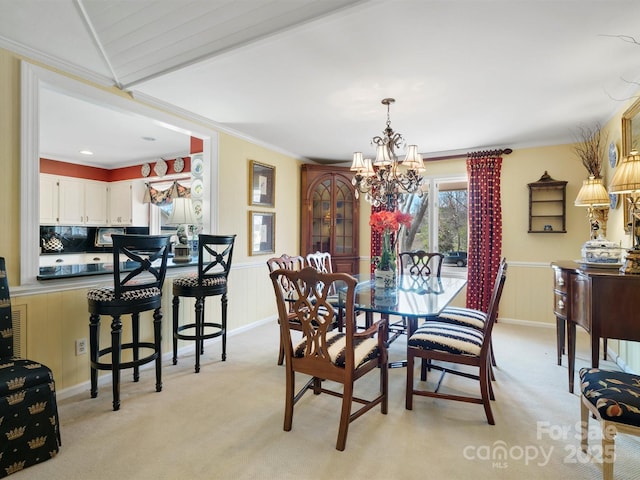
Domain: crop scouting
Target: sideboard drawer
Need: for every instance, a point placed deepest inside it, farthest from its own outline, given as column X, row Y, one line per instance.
column 560, row 305
column 561, row 280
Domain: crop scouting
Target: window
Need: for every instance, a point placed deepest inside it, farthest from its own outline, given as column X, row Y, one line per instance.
column 440, row 226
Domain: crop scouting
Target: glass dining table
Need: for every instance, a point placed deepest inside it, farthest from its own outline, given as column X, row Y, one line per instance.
column 414, row 298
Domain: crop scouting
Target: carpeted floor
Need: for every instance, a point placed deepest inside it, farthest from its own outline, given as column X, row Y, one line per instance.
column 226, row 423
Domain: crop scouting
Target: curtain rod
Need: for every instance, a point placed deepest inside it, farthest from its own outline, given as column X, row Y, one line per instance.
column 482, row 153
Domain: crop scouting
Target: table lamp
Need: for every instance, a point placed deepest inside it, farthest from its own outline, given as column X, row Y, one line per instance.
column 593, row 194
column 182, row 214
column 627, row 180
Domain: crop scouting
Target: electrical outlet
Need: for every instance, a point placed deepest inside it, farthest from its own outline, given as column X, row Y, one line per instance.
column 81, row 346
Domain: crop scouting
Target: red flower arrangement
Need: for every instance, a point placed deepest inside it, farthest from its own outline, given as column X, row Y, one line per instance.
column 384, row 221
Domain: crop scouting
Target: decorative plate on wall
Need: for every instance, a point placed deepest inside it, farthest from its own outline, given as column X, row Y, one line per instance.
column 160, row 168
column 197, row 209
column 178, row 165
column 197, row 165
column 196, row 188
column 613, row 201
column 145, row 170
column 613, row 154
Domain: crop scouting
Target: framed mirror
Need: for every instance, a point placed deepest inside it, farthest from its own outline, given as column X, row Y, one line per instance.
column 631, row 129
column 630, row 143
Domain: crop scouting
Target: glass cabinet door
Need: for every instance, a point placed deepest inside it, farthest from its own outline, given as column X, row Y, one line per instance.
column 332, row 217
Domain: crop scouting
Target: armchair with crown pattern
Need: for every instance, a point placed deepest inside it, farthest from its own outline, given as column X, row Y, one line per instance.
column 29, row 426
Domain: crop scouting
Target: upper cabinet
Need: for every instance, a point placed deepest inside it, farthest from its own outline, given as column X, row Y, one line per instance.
column 76, row 201
column 49, row 200
column 82, row 202
column 126, row 205
column 330, row 215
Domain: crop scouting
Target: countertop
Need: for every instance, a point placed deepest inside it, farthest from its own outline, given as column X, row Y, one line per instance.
column 89, row 269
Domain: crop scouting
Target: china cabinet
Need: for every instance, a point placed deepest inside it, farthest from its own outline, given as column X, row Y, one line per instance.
column 330, row 215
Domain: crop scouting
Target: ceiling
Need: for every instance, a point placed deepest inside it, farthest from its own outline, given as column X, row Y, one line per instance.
column 306, row 77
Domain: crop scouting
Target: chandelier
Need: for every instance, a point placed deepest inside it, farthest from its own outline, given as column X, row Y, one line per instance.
column 384, row 180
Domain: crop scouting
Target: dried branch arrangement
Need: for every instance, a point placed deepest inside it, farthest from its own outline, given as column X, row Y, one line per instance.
column 590, row 147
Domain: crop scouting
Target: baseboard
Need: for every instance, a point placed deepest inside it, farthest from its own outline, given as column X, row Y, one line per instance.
column 103, row 380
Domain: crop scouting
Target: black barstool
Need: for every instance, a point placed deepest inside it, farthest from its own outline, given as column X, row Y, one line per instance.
column 139, row 268
column 214, row 263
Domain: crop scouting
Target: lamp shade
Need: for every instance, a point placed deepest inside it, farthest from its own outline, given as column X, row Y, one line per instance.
column 358, row 162
column 182, row 212
column 627, row 176
column 592, row 194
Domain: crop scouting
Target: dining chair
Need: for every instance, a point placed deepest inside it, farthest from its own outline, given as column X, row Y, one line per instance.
column 215, row 253
column 418, row 264
column 286, row 262
column 324, row 353
column 456, row 344
column 29, row 425
column 613, row 399
column 139, row 269
column 421, row 263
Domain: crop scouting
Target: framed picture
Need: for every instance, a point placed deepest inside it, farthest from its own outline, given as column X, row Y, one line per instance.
column 262, row 226
column 262, row 179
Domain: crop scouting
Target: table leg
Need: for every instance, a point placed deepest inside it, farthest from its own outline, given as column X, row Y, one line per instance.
column 560, row 336
column 571, row 352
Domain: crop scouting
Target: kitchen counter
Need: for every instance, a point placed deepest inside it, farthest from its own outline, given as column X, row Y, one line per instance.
column 89, row 269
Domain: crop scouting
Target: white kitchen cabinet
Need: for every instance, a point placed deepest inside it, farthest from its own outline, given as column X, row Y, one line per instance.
column 125, row 204
column 82, row 202
column 48, row 200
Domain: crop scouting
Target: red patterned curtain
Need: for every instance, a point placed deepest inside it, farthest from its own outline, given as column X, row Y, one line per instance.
column 485, row 227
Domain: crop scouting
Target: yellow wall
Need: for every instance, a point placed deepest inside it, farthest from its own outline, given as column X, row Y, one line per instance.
column 55, row 320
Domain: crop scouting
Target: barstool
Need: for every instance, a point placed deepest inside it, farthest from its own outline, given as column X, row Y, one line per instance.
column 139, row 268
column 214, row 263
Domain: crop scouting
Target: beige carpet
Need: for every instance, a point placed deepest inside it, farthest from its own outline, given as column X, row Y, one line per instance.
column 226, row 423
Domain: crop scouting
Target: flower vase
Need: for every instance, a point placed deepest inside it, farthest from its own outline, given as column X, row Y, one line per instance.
column 385, row 272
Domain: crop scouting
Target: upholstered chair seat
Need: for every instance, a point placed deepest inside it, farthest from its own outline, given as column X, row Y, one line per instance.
column 614, row 400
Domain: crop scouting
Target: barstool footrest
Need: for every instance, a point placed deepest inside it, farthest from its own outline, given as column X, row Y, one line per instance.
column 129, row 364
column 206, row 336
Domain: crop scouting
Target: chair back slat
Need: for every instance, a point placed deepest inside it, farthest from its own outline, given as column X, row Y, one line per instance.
column 6, row 324
column 421, row 263
column 321, row 261
column 144, row 251
column 215, row 253
column 286, row 262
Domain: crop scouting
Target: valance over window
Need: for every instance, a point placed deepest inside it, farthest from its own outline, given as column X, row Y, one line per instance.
column 162, row 193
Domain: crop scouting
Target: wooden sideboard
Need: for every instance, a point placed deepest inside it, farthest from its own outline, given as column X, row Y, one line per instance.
column 603, row 301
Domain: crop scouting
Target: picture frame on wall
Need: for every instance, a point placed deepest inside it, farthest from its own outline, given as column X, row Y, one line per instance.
column 261, row 184
column 262, row 226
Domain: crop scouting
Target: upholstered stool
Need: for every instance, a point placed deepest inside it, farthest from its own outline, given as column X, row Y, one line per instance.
column 139, row 268
column 614, row 400
column 214, row 263
column 29, row 426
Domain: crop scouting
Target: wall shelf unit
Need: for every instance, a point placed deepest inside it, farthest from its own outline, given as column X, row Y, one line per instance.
column 547, row 205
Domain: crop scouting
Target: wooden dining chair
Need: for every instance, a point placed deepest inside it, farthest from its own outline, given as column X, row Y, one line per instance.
column 421, row 263
column 286, row 262
column 456, row 344
column 418, row 264
column 324, row 353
